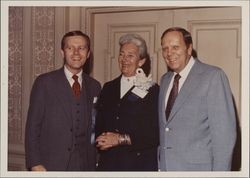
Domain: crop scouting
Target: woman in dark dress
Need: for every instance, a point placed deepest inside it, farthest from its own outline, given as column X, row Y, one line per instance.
column 127, row 117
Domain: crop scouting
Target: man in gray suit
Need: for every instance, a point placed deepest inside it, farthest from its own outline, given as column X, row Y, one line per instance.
column 198, row 126
column 59, row 123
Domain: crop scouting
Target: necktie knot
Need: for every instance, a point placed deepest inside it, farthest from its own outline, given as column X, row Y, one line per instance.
column 177, row 77
column 75, row 77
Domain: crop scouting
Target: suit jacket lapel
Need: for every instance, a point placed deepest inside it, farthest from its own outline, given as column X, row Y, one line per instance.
column 117, row 87
column 188, row 87
column 62, row 89
column 117, row 90
column 164, row 85
column 128, row 95
column 87, row 99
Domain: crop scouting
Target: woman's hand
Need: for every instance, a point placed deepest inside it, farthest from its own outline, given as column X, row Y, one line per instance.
column 107, row 140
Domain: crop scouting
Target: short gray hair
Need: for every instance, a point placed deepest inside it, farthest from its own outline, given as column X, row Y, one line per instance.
column 136, row 40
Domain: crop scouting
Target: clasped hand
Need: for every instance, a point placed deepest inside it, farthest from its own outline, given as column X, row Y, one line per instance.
column 107, row 140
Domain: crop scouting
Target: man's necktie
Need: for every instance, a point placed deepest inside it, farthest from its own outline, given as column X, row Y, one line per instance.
column 76, row 86
column 172, row 96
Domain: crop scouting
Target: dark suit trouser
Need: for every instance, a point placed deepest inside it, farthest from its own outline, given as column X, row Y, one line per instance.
column 75, row 162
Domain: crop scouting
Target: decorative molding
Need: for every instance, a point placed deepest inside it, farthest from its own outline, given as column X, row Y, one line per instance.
column 74, row 18
column 233, row 25
column 16, row 167
column 154, row 66
column 16, row 161
column 88, row 13
column 217, row 25
column 87, row 25
column 107, row 65
column 60, row 29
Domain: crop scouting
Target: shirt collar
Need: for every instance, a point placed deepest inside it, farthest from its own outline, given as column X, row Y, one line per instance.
column 184, row 73
column 70, row 74
column 128, row 79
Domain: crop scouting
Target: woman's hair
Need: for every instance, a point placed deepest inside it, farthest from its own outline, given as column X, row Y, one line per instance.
column 75, row 33
column 186, row 36
column 138, row 41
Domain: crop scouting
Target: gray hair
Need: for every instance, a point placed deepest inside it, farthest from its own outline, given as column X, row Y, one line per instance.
column 136, row 40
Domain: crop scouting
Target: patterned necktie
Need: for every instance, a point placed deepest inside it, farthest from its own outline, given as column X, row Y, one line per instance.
column 76, row 86
column 172, row 96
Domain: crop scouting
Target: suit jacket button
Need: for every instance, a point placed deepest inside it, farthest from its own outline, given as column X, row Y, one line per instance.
column 117, row 118
column 167, row 129
column 138, row 154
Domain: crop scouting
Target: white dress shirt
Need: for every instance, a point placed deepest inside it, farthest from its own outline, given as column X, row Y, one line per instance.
column 69, row 76
column 126, row 84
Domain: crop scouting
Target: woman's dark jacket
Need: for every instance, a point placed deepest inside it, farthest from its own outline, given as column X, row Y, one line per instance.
column 131, row 115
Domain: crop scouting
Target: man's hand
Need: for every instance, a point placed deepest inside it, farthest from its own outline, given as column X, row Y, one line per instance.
column 38, row 168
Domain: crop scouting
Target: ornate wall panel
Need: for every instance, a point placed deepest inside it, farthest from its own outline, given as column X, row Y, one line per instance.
column 43, row 35
column 31, row 52
column 15, row 75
